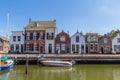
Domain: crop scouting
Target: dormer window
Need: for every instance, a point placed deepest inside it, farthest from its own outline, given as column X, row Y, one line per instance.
column 77, row 38
column 105, row 40
column 62, row 38
column 35, row 24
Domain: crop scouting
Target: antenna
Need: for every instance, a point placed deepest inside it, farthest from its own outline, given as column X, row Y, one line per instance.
column 8, row 22
column 8, row 17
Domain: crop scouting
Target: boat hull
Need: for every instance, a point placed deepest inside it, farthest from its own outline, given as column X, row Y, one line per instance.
column 8, row 66
column 57, row 63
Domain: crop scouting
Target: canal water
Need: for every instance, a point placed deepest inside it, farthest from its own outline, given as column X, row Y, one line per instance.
column 77, row 72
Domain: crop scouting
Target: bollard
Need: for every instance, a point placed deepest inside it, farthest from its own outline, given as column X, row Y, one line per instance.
column 26, row 66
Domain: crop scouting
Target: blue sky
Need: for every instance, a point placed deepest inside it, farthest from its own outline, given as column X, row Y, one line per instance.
column 99, row 16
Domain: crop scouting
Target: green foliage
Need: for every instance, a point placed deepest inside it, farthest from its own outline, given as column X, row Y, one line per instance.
column 114, row 32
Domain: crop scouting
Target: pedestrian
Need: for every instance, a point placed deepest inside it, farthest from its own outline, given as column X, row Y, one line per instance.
column 59, row 51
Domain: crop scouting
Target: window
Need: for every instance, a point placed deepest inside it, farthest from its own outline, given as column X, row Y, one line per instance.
column 50, row 35
column 118, row 40
column 82, row 47
column 89, row 38
column 117, row 48
column 35, row 47
column 105, row 40
column 35, row 25
column 91, row 46
column 107, row 48
column 57, row 46
column 73, row 48
column 94, row 38
column 19, row 38
column 41, row 35
column 28, row 36
column 17, row 47
column 14, row 38
column 62, row 38
column 77, row 48
column 12, row 47
column 63, row 47
column 1, row 48
column 34, row 36
column 27, row 47
column 96, row 48
column 77, row 38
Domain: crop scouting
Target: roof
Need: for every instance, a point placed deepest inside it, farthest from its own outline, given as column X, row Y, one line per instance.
column 4, row 38
column 41, row 24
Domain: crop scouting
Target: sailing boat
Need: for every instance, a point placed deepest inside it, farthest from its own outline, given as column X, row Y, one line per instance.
column 56, row 62
column 5, row 63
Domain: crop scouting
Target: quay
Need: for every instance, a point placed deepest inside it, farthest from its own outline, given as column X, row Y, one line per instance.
column 77, row 58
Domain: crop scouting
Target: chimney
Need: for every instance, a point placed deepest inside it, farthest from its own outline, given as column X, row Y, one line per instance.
column 29, row 20
column 54, row 20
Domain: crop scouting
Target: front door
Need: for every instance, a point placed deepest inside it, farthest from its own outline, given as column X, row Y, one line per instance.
column 50, row 48
column 86, row 49
column 102, row 50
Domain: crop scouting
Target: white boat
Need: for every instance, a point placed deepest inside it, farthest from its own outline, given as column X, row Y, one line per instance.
column 4, row 65
column 57, row 63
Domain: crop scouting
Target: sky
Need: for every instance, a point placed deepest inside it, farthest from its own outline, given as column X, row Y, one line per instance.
column 97, row 16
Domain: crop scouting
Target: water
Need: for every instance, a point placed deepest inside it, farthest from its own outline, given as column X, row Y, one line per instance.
column 77, row 72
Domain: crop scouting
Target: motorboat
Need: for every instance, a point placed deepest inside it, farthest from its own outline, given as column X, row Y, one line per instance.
column 7, row 64
column 57, row 63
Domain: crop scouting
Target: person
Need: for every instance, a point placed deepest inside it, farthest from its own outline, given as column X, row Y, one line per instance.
column 42, row 55
column 59, row 51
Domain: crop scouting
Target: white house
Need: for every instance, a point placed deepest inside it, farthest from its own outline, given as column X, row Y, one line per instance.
column 116, row 43
column 50, row 41
column 77, row 43
column 17, row 41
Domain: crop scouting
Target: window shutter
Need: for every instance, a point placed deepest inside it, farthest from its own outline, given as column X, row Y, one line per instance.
column 52, row 35
column 47, row 35
column 24, row 47
column 25, row 36
column 37, row 36
column 31, row 36
column 31, row 47
column 43, row 35
column 37, row 47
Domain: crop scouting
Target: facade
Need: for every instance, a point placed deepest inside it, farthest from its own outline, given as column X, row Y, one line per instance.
column 39, row 36
column 4, row 47
column 92, row 45
column 116, row 43
column 62, row 42
column 17, row 42
column 105, row 44
column 78, row 43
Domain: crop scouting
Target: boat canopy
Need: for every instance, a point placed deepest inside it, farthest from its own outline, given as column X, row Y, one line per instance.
column 4, row 58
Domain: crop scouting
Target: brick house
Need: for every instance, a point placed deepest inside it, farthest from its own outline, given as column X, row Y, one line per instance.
column 92, row 45
column 105, row 44
column 39, row 36
column 4, row 47
column 62, row 41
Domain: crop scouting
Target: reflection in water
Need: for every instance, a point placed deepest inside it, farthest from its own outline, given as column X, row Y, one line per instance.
column 77, row 72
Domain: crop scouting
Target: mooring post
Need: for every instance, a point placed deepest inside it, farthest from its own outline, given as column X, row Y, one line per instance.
column 26, row 66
